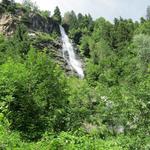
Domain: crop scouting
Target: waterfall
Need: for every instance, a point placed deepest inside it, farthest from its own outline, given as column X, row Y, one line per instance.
column 69, row 54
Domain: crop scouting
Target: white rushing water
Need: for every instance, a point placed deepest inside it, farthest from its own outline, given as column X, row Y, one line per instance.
column 69, row 54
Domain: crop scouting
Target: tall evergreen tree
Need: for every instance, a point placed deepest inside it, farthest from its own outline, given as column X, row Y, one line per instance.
column 57, row 15
column 6, row 2
column 8, row 5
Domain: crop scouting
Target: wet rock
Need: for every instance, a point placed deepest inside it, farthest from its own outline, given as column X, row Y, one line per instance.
column 38, row 23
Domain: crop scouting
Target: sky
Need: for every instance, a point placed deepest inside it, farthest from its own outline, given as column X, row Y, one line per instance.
column 109, row 9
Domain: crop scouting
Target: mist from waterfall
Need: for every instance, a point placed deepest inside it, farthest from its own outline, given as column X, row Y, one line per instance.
column 69, row 54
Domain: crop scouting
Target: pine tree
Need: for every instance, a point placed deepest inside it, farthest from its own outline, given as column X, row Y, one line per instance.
column 57, row 15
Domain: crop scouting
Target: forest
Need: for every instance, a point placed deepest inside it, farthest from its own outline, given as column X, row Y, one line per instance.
column 43, row 107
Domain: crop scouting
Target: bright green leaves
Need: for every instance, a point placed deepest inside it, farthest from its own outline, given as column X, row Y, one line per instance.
column 57, row 15
column 32, row 91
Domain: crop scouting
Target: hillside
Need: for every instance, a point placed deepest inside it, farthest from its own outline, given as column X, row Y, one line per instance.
column 43, row 31
column 43, row 102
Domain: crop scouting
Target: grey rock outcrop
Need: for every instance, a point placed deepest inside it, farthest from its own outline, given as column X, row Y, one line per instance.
column 33, row 21
column 7, row 24
column 38, row 23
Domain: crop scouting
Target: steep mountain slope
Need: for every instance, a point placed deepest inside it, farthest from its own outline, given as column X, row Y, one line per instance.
column 44, row 32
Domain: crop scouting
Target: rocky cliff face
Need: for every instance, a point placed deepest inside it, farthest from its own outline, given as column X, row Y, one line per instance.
column 33, row 21
column 37, row 25
column 54, row 48
column 8, row 24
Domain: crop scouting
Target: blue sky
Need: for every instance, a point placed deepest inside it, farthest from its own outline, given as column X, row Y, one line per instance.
column 99, row 8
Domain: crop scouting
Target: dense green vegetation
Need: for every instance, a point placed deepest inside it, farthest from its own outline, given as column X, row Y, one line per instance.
column 43, row 108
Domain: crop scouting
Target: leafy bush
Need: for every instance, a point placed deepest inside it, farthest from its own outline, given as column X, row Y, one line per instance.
column 35, row 92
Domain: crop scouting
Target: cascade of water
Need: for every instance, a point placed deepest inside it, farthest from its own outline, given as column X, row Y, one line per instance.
column 69, row 54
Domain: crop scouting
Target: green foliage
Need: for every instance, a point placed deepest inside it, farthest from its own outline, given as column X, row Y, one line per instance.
column 8, row 5
column 46, row 37
column 142, row 48
column 2, row 9
column 102, row 29
column 16, row 46
column 77, row 25
column 67, row 141
column 70, row 19
column 30, row 6
column 109, row 109
column 2, row 49
column 84, row 46
column 57, row 15
column 45, row 13
column 123, row 32
column 144, row 28
column 35, row 96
